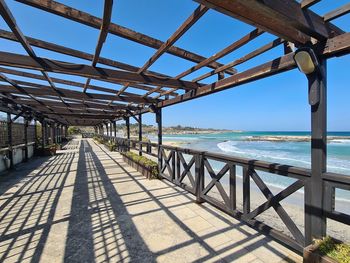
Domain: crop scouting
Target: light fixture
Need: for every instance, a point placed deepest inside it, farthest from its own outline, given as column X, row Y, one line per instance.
column 306, row 60
column 152, row 108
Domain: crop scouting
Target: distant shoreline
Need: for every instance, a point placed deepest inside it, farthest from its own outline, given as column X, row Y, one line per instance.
column 292, row 138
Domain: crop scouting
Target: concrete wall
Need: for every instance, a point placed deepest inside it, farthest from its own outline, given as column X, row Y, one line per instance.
column 18, row 157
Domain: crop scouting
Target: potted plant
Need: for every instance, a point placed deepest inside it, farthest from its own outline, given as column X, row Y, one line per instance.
column 48, row 150
column 142, row 164
column 327, row 250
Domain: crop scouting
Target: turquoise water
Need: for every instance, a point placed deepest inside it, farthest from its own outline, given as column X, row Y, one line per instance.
column 287, row 152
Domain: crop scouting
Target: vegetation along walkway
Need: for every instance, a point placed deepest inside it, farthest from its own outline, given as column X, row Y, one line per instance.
column 87, row 205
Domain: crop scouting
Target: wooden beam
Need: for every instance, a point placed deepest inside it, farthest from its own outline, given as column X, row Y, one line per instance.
column 243, row 59
column 343, row 10
column 273, row 67
column 107, row 14
column 234, row 46
column 42, row 90
column 190, row 21
column 74, row 53
column 284, row 18
column 308, row 3
column 21, row 61
column 336, row 46
column 75, row 83
column 87, row 105
column 95, row 22
column 11, row 22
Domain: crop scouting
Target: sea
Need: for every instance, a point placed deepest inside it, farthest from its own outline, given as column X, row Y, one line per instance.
column 294, row 153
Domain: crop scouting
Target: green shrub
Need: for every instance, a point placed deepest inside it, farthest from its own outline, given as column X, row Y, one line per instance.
column 339, row 252
column 153, row 166
column 111, row 146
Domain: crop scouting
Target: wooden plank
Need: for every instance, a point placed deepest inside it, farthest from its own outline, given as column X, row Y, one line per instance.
column 243, row 59
column 87, row 104
column 284, row 18
column 273, row 67
column 235, row 45
column 21, row 61
column 190, row 21
column 308, row 3
column 95, row 22
column 77, row 84
column 11, row 22
column 45, row 91
column 343, row 10
column 337, row 46
column 74, row 53
column 107, row 14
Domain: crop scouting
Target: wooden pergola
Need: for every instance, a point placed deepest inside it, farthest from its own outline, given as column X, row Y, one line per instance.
column 293, row 24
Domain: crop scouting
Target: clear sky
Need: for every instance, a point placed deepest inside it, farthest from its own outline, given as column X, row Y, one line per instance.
column 275, row 103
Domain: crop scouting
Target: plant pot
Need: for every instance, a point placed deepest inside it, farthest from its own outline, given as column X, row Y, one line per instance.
column 144, row 170
column 46, row 151
column 312, row 254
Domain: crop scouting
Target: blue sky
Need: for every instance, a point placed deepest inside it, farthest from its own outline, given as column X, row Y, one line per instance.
column 275, row 103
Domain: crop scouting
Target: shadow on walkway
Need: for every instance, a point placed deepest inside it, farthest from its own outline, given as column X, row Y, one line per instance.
column 100, row 228
column 87, row 205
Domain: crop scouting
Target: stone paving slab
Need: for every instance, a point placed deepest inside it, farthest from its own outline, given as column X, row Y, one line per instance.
column 87, row 205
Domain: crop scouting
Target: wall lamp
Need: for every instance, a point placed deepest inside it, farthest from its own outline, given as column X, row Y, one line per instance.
column 152, row 108
column 306, row 60
column 307, row 63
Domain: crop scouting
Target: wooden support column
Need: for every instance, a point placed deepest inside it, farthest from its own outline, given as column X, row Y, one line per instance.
column 127, row 123
column 43, row 133
column 26, row 124
column 35, row 133
column 315, row 221
column 48, row 137
column 107, row 129
column 9, row 135
column 53, row 135
column 160, row 135
column 115, row 128
column 140, row 134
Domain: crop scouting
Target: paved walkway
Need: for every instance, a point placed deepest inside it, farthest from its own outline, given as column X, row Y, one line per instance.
column 87, row 205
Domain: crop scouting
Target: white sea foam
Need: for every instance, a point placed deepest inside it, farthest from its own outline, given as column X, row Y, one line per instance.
column 231, row 147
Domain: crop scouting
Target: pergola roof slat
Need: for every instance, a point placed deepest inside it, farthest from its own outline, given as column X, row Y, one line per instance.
column 92, row 21
column 21, row 61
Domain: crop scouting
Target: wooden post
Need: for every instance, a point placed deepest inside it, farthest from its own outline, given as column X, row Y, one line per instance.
column 140, row 135
column 127, row 123
column 9, row 135
column 315, row 221
column 53, row 131
column 199, row 176
column 35, row 133
column 107, row 129
column 43, row 131
column 160, row 136
column 26, row 124
column 115, row 128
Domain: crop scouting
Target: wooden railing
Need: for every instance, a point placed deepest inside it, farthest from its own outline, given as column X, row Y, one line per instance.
column 193, row 171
